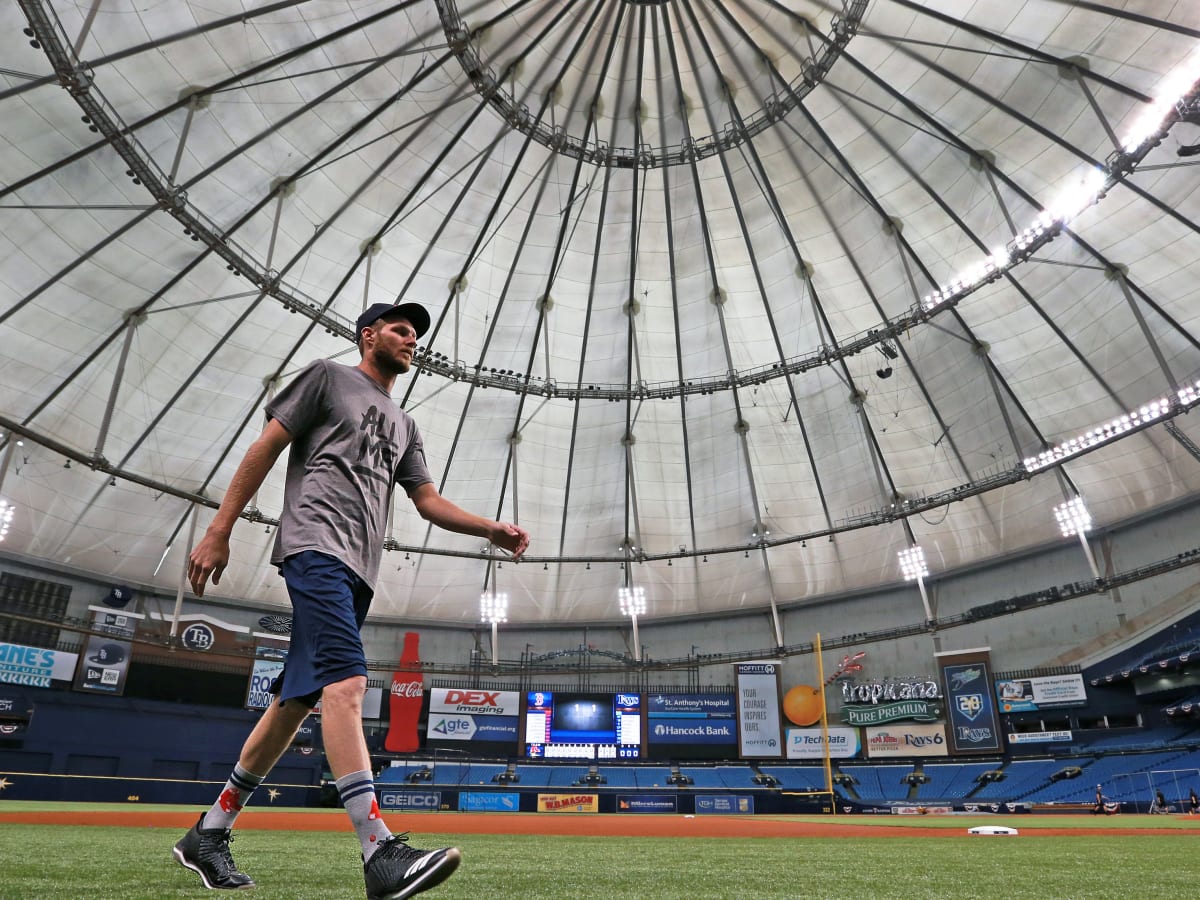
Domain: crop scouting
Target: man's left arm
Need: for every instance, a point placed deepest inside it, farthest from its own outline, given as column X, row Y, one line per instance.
column 435, row 508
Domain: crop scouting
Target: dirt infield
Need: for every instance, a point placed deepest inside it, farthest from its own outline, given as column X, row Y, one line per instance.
column 708, row 826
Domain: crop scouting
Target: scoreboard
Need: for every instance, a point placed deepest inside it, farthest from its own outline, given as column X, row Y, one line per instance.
column 568, row 725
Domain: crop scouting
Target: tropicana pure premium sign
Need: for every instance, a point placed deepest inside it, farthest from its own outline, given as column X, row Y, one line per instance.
column 890, row 700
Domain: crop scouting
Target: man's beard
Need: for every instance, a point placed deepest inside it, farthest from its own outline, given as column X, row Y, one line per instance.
column 393, row 365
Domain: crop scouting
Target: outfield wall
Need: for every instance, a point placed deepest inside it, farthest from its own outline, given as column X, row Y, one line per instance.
column 83, row 748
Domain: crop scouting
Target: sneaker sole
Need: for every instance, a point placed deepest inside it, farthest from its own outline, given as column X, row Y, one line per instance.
column 430, row 878
column 182, row 860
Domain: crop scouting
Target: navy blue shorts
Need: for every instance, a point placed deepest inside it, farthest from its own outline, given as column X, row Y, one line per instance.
column 329, row 604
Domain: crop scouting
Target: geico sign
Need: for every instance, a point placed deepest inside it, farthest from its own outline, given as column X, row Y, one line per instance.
column 405, row 800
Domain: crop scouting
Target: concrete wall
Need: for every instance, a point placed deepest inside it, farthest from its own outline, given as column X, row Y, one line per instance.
column 1051, row 634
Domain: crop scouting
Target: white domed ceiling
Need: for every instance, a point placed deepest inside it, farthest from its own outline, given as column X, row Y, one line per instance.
column 731, row 301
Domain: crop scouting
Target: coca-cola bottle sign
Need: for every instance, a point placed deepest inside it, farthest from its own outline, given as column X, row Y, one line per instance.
column 404, row 704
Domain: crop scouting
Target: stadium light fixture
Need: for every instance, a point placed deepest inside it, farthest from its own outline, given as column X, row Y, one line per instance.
column 632, row 601
column 1074, row 519
column 912, row 563
column 913, row 567
column 1185, row 397
column 7, row 511
column 1177, row 86
column 1176, row 95
column 493, row 609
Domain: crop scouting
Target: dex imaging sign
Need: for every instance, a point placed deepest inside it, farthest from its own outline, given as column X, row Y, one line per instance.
column 474, row 703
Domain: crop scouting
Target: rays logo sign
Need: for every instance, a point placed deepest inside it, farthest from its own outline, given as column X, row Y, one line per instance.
column 970, row 705
column 971, row 708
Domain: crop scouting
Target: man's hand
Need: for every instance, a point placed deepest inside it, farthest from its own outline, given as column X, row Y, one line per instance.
column 209, row 557
column 512, row 538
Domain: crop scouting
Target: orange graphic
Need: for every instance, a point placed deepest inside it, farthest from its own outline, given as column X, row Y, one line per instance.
column 802, row 704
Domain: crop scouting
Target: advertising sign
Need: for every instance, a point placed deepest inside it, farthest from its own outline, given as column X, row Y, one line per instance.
column 1040, row 737
column 914, row 710
column 489, row 801
column 971, row 707
column 759, row 733
column 410, row 801
column 268, row 665
column 880, row 700
column 450, row 727
column 692, row 731
column 906, row 740
column 475, row 703
column 406, row 696
column 692, row 719
column 724, row 804
column 34, row 666
column 105, row 663
column 647, row 803
column 1041, row 692
column 809, row 743
column 689, row 705
column 372, row 706
column 584, row 803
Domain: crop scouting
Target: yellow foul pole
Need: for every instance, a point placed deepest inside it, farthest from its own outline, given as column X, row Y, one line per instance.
column 824, row 725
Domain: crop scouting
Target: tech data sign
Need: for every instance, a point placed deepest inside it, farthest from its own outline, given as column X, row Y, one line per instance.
column 809, row 743
column 891, row 700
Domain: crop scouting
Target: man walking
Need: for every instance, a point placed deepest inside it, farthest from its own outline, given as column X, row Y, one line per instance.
column 349, row 445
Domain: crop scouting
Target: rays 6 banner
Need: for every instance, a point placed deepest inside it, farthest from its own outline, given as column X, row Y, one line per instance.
column 970, row 705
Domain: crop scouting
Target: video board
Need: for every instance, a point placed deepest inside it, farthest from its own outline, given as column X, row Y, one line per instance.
column 572, row 725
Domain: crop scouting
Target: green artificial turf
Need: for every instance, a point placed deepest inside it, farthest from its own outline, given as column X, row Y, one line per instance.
column 130, row 863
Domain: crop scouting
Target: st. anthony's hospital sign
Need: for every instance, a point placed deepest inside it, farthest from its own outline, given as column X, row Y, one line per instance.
column 890, row 700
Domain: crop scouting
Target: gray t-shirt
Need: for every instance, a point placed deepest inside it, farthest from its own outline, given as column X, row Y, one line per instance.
column 350, row 444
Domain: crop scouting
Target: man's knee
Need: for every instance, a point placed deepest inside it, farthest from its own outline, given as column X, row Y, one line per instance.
column 345, row 693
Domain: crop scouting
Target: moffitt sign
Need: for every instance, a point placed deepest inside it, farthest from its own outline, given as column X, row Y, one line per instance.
column 890, row 700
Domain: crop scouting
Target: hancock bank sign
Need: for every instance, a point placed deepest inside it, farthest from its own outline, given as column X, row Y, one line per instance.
column 891, row 700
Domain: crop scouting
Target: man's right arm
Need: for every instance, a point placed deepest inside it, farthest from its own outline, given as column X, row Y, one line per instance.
column 211, row 554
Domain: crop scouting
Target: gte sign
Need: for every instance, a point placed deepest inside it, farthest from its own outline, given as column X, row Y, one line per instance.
column 474, row 702
column 455, row 728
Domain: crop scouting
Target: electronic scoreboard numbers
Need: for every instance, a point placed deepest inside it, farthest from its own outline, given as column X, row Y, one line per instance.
column 570, row 725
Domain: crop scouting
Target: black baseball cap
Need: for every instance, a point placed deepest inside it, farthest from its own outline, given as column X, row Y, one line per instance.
column 119, row 597
column 109, row 653
column 414, row 312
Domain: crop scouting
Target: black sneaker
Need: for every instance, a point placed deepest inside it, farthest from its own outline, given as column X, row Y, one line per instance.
column 397, row 870
column 206, row 852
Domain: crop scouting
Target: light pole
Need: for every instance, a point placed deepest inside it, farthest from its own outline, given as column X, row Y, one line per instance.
column 913, row 568
column 633, row 604
column 1073, row 518
column 493, row 608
